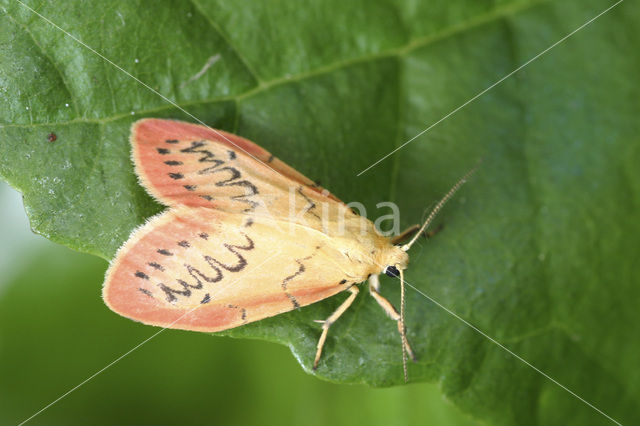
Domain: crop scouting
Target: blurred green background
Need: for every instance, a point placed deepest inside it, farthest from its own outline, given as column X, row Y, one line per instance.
column 55, row 332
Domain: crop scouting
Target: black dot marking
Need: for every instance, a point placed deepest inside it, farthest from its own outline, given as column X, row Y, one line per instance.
column 343, row 281
column 141, row 275
column 248, row 223
column 145, row 291
column 206, row 299
column 184, row 244
column 176, row 175
column 270, row 158
column 163, row 151
column 155, row 265
column 172, row 141
column 165, row 252
column 207, row 197
column 173, row 163
column 204, row 235
column 190, row 187
column 232, row 155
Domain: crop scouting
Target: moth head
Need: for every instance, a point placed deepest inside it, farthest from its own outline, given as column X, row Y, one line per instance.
column 394, row 260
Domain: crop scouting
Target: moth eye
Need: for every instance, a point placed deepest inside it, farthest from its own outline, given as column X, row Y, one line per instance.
column 392, row 271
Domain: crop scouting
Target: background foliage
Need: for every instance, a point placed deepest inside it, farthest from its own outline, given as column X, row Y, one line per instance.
column 540, row 250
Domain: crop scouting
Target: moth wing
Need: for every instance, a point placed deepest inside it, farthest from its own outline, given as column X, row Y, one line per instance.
column 181, row 163
column 208, row 270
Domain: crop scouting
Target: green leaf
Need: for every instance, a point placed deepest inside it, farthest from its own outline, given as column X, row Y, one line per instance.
column 539, row 250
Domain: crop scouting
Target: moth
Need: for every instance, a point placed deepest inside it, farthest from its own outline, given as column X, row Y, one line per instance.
column 245, row 237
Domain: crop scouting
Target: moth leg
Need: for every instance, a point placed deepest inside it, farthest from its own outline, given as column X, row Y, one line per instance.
column 404, row 235
column 332, row 318
column 374, row 290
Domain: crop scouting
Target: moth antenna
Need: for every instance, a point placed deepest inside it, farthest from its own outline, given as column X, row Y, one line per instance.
column 441, row 204
column 403, row 330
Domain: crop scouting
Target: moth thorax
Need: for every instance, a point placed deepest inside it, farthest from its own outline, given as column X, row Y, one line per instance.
column 393, row 256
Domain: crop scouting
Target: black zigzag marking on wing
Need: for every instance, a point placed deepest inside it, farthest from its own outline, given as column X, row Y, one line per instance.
column 285, row 282
column 220, row 166
column 310, row 206
column 242, row 262
column 185, row 288
column 234, row 180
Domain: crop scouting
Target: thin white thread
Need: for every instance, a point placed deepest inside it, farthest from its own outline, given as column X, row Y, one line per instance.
column 145, row 85
column 132, row 349
column 491, row 87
